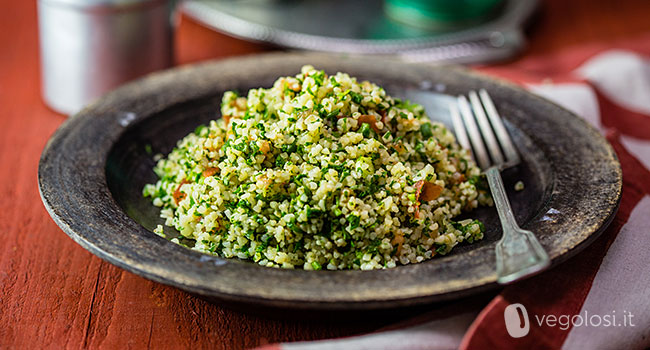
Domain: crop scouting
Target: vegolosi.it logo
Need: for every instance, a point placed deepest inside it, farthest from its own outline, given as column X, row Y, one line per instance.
column 517, row 323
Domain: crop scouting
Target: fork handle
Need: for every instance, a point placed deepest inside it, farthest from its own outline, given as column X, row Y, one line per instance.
column 518, row 253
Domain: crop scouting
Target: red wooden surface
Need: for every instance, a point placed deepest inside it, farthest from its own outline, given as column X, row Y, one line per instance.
column 55, row 294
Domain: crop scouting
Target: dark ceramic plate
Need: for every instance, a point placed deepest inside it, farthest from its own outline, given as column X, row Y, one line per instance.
column 93, row 169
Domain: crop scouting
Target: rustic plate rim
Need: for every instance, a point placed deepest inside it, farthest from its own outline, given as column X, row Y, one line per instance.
column 147, row 270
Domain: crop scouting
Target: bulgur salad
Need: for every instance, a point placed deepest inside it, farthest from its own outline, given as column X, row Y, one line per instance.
column 319, row 172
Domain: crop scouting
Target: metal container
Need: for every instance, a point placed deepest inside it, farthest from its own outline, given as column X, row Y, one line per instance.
column 89, row 47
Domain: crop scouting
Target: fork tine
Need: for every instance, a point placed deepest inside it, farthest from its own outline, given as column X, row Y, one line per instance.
column 500, row 130
column 472, row 130
column 459, row 128
column 485, row 129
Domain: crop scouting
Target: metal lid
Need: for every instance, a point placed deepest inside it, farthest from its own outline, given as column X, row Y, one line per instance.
column 362, row 26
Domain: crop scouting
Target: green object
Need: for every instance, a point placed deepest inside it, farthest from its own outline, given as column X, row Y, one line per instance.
column 425, row 129
column 439, row 13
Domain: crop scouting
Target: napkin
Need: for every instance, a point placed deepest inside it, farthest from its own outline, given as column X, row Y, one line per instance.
column 600, row 299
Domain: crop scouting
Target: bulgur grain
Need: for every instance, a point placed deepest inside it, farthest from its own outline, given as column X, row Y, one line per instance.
column 319, row 172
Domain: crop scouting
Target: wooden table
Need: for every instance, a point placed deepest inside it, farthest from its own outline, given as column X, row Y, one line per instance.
column 54, row 293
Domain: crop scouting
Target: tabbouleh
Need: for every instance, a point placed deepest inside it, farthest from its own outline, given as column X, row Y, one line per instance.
column 320, row 172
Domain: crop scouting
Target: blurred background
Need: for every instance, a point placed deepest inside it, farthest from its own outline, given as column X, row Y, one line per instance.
column 89, row 47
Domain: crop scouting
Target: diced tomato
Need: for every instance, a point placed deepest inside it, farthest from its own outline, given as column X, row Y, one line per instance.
column 397, row 146
column 370, row 120
column 210, row 171
column 178, row 195
column 427, row 191
column 265, row 147
column 399, row 240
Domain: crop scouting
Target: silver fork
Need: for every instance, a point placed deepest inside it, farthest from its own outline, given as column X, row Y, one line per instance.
column 518, row 252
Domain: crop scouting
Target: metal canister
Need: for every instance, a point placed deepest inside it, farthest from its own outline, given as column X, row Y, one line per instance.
column 89, row 47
